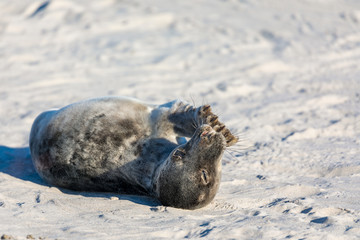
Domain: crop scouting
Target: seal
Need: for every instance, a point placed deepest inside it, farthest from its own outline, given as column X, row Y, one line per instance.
column 171, row 151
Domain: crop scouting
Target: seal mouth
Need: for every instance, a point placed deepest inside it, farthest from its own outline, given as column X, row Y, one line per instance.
column 208, row 132
column 209, row 136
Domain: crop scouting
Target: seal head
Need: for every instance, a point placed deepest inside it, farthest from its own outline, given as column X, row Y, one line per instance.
column 190, row 177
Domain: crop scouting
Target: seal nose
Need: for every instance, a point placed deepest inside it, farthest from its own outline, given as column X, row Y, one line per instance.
column 206, row 127
column 206, row 134
column 207, row 131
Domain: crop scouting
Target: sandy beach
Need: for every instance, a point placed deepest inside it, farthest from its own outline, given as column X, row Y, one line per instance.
column 283, row 75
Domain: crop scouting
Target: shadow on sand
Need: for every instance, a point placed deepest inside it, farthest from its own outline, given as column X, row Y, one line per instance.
column 17, row 162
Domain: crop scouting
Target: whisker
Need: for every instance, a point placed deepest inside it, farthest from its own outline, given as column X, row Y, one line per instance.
column 231, row 155
column 192, row 100
column 204, row 101
column 201, row 121
column 240, row 147
column 235, row 150
column 194, row 125
column 239, row 153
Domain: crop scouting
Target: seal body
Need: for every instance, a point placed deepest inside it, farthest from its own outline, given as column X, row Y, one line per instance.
column 123, row 145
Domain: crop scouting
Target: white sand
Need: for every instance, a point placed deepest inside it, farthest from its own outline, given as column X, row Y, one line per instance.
column 284, row 74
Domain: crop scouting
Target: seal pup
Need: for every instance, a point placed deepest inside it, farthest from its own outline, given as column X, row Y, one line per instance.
column 123, row 145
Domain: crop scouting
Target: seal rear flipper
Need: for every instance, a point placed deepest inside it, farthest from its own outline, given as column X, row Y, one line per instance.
column 187, row 119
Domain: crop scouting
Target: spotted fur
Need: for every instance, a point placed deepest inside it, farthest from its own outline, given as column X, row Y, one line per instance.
column 127, row 146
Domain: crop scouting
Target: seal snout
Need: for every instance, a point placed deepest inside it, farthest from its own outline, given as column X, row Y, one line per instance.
column 207, row 132
column 207, row 136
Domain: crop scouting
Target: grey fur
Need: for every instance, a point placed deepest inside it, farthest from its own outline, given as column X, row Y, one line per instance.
column 127, row 146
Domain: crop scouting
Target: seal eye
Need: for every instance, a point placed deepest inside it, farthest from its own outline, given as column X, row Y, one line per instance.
column 204, row 177
column 179, row 154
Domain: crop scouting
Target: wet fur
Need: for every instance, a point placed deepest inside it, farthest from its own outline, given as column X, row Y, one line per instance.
column 126, row 146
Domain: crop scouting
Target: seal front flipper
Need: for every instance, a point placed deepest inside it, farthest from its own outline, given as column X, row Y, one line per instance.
column 206, row 116
column 187, row 119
